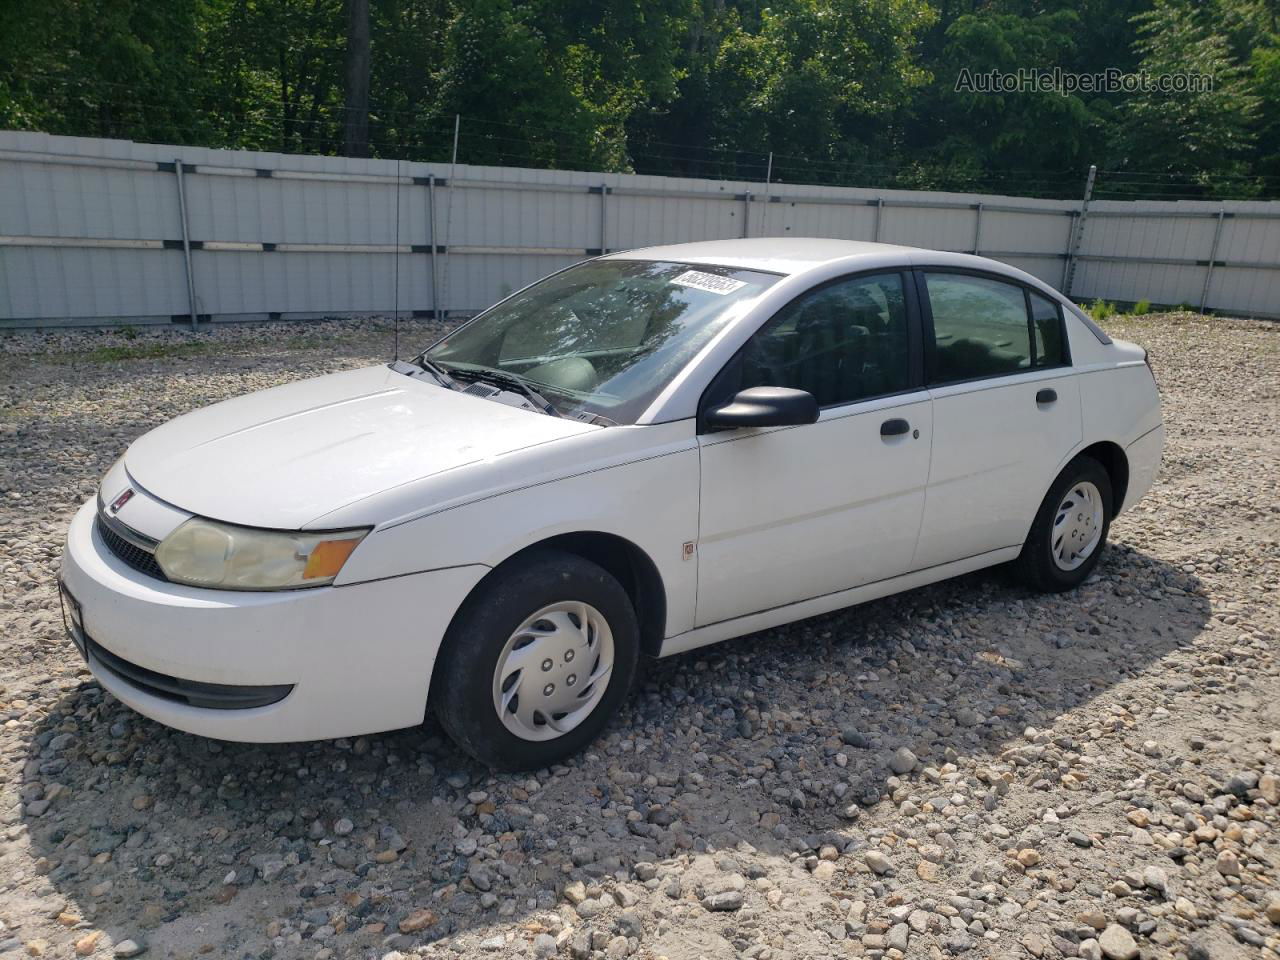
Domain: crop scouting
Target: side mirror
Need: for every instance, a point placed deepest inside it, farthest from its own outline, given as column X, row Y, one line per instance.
column 765, row 407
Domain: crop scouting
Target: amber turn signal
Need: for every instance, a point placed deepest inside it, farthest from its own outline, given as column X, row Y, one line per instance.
column 328, row 557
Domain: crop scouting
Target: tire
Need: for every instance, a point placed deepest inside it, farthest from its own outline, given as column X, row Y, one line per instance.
column 547, row 662
column 1045, row 565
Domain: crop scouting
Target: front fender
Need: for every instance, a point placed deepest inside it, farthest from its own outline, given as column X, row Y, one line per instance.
column 651, row 501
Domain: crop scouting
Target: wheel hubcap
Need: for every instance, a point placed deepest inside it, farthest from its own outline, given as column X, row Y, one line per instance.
column 1077, row 526
column 553, row 670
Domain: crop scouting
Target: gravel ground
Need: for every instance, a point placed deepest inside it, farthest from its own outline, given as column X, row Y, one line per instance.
column 967, row 769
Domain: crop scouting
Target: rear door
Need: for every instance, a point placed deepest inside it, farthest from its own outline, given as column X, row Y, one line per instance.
column 790, row 513
column 1006, row 410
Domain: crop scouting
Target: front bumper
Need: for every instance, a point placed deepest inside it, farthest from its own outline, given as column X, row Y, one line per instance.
column 343, row 660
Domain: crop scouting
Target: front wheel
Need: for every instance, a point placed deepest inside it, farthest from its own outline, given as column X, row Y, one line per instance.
column 536, row 661
column 1070, row 529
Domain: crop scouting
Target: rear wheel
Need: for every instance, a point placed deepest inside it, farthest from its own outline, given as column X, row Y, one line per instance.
column 1070, row 529
column 536, row 661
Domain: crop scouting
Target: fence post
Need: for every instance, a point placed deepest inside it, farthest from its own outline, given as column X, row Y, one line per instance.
column 746, row 214
column 186, row 243
column 435, row 273
column 879, row 214
column 451, row 183
column 1078, row 232
column 1066, row 256
column 768, row 179
column 604, row 218
column 1213, row 255
column 977, row 231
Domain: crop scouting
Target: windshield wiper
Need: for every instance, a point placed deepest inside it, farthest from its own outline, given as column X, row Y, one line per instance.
column 436, row 371
column 416, row 369
column 502, row 378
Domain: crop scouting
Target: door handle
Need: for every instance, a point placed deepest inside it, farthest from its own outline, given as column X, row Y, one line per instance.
column 894, row 428
column 1046, row 396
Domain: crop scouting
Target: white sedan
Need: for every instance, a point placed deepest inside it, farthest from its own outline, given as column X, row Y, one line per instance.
column 641, row 454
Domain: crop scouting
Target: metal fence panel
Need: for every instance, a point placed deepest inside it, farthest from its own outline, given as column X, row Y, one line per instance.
column 87, row 283
column 847, row 222
column 92, row 231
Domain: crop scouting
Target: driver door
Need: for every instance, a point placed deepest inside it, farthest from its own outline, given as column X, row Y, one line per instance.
column 791, row 513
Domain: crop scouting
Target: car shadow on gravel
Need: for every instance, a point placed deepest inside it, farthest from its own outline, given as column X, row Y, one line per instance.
column 769, row 746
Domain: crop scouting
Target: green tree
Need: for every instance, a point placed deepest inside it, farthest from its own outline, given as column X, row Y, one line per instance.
column 110, row 68
column 1264, row 66
column 1024, row 132
column 568, row 74
column 1023, row 142
column 277, row 73
column 1205, row 134
column 814, row 81
column 408, row 117
column 862, row 93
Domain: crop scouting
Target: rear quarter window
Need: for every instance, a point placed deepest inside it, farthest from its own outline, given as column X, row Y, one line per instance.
column 1046, row 327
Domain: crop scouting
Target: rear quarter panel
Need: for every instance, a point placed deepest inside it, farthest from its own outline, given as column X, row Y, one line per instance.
column 1119, row 402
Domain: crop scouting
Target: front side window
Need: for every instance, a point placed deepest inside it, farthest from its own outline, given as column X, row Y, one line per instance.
column 980, row 327
column 604, row 338
column 846, row 341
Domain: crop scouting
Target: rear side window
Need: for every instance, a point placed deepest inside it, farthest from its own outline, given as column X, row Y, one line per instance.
column 980, row 327
column 846, row 341
column 1046, row 327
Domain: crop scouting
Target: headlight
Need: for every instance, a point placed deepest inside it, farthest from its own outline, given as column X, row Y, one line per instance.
column 204, row 553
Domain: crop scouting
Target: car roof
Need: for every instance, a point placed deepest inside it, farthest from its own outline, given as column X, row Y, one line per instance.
column 787, row 255
column 824, row 258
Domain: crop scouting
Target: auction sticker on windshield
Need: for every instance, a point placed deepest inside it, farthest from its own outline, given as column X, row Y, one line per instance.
column 710, row 282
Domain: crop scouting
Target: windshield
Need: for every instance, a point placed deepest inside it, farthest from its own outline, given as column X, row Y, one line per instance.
column 604, row 338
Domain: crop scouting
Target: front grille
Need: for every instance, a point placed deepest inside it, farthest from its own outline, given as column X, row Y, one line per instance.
column 195, row 693
column 133, row 555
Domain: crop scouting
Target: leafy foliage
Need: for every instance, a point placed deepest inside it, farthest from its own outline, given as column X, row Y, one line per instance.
column 862, row 93
column 1206, row 134
column 1101, row 310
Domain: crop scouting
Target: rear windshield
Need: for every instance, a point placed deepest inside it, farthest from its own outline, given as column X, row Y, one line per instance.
column 604, row 338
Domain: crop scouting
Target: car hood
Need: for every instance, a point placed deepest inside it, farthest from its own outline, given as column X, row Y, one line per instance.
column 287, row 456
